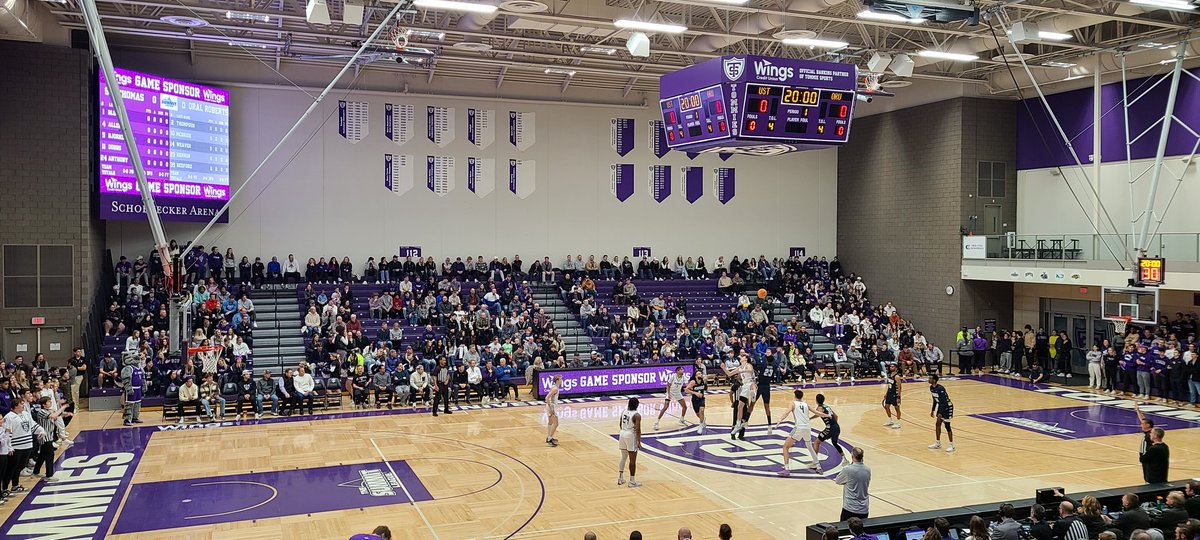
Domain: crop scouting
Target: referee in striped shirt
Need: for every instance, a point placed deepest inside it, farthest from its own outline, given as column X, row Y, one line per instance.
column 1069, row 526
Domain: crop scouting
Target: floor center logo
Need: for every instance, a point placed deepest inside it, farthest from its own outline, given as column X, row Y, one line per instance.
column 761, row 454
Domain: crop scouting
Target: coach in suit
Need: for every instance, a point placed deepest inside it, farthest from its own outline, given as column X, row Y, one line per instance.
column 1007, row 528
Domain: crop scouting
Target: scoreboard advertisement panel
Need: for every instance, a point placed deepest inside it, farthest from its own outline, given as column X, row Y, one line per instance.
column 759, row 105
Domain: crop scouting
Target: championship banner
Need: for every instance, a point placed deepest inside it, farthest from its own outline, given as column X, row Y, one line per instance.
column 658, row 138
column 481, row 176
column 522, row 177
column 723, row 184
column 522, row 127
column 621, row 135
column 481, row 130
column 692, row 183
column 354, row 120
column 621, row 181
column 439, row 125
column 439, row 174
column 398, row 173
column 660, row 182
column 614, row 380
column 398, row 122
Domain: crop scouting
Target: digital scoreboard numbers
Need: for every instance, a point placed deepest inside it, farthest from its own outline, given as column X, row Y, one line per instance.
column 1151, row 271
column 790, row 113
column 695, row 117
column 758, row 105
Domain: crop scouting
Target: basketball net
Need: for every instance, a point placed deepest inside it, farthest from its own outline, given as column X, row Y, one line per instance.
column 208, row 357
column 398, row 37
column 1120, row 323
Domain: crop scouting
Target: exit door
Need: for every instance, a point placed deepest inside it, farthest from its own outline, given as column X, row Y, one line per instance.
column 55, row 342
column 20, row 341
column 992, row 223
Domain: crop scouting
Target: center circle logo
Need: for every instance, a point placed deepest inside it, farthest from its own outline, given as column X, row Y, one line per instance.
column 761, row 454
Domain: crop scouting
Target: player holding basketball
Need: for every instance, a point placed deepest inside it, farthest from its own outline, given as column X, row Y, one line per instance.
column 832, row 430
column 629, row 441
column 801, row 432
column 674, row 395
column 892, row 397
column 552, row 411
column 943, row 411
column 696, row 388
column 747, row 391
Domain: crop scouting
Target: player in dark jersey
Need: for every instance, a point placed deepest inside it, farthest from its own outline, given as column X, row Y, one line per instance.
column 696, row 388
column 832, row 430
column 766, row 371
column 892, row 397
column 943, row 411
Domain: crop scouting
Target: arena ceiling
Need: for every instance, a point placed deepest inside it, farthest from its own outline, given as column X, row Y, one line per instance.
column 574, row 43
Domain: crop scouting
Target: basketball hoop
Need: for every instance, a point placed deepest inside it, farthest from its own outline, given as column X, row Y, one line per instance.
column 398, row 37
column 208, row 357
column 1120, row 323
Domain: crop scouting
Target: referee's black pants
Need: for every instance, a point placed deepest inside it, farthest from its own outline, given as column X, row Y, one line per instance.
column 442, row 396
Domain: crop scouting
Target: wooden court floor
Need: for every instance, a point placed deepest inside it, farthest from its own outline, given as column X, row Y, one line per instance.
column 487, row 473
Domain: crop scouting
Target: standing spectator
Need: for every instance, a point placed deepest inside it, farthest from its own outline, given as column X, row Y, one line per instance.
column 855, row 479
column 1063, row 354
column 77, row 370
column 1095, row 368
column 966, row 354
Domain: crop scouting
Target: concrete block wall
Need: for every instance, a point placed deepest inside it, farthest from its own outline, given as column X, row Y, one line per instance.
column 45, row 171
column 903, row 185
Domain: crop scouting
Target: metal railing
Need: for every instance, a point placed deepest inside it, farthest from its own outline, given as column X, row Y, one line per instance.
column 1178, row 247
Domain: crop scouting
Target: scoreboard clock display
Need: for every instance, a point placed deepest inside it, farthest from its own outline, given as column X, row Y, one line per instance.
column 1151, row 271
column 758, row 105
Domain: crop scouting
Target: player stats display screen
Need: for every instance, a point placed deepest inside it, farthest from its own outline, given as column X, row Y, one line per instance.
column 696, row 117
column 181, row 131
column 797, row 112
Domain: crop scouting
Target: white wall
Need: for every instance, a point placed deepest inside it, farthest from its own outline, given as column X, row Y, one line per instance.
column 1045, row 204
column 330, row 199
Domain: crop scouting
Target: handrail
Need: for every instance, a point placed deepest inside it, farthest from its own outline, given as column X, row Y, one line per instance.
column 1181, row 247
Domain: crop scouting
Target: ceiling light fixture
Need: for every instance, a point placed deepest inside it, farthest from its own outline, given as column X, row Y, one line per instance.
column 730, row 2
column 425, row 34
column 1057, row 64
column 454, row 5
column 894, row 17
column 629, row 24
column 560, row 71
column 592, row 49
column 247, row 17
column 1182, row 5
column 1054, row 36
column 811, row 42
column 929, row 53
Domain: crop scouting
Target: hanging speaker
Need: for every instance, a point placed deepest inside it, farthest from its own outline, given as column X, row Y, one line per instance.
column 638, row 44
column 879, row 62
column 902, row 65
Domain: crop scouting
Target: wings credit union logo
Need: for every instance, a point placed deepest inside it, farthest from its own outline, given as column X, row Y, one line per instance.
column 734, row 67
column 759, row 455
column 376, row 483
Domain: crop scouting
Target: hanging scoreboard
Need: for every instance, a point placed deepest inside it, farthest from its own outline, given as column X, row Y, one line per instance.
column 758, row 105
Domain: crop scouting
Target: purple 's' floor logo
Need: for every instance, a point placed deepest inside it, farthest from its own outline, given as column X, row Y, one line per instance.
column 761, row 454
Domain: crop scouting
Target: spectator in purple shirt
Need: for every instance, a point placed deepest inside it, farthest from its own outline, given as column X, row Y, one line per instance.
column 980, row 344
column 215, row 262
column 1143, row 361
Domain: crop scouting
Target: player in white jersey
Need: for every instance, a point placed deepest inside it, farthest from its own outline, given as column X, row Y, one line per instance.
column 674, row 395
column 629, row 441
column 552, row 411
column 745, row 394
column 801, row 432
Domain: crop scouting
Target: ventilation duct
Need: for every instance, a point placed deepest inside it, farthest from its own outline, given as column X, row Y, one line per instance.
column 1085, row 66
column 19, row 20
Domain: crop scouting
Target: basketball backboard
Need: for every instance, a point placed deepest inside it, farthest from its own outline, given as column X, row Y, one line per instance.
column 1140, row 304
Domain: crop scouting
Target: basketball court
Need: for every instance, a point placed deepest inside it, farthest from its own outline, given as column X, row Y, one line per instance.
column 485, row 472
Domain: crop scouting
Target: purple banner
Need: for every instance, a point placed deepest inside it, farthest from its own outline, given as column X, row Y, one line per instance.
column 693, row 183
column 512, row 175
column 1074, row 112
column 723, row 184
column 261, row 495
column 611, row 380
column 181, row 131
column 724, row 156
column 660, row 182
column 388, row 123
column 471, row 136
column 430, row 125
column 622, row 181
column 658, row 138
column 622, row 135
column 410, row 251
column 691, row 155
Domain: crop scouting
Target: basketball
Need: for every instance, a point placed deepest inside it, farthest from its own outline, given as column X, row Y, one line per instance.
column 762, row 293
